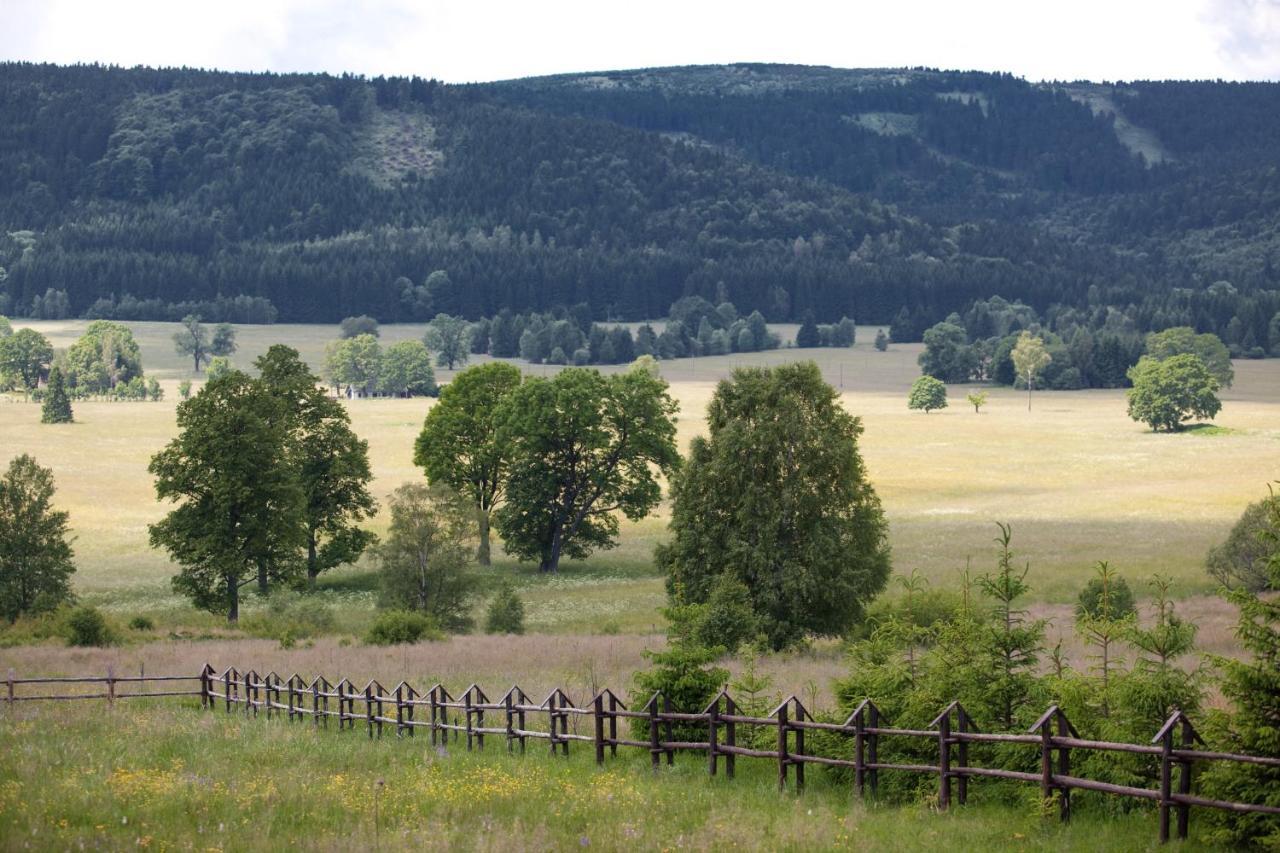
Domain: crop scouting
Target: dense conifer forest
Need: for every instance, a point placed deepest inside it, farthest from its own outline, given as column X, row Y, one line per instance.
column 887, row 196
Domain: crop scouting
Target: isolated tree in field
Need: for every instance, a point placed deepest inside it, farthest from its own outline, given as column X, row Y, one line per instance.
column 406, row 371
column 422, row 563
column 1167, row 393
column 354, row 327
column 449, row 338
column 882, row 340
column 354, row 363
column 459, row 445
column 506, row 613
column 104, row 356
column 977, row 399
column 1029, row 358
column 1241, row 561
column 239, row 501
column 24, row 357
column 584, row 447
column 808, row 334
column 223, row 341
column 927, row 393
column 193, row 341
column 331, row 463
column 35, row 551
column 777, row 496
column 1181, row 340
column 57, row 405
column 1252, row 689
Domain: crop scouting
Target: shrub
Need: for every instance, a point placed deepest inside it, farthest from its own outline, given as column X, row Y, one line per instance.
column 1241, row 561
column 396, row 627
column 506, row 613
column 727, row 619
column 142, row 623
column 290, row 614
column 86, row 626
column 1121, row 603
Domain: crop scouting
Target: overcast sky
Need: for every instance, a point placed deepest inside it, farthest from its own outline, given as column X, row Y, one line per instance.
column 473, row 41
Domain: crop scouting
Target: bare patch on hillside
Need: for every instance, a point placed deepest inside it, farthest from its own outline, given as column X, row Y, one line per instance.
column 1139, row 140
column 887, row 124
column 395, row 145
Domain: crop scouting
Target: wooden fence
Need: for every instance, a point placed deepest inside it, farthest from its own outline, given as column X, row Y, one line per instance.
column 514, row 719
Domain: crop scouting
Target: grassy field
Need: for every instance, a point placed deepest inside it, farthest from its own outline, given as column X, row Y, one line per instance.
column 169, row 776
column 1076, row 478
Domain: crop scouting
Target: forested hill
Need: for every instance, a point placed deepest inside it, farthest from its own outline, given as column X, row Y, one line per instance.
column 788, row 189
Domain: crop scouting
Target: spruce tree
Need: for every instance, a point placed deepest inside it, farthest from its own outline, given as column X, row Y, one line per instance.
column 57, row 405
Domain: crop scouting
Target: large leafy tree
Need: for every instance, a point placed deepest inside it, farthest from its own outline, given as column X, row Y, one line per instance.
column 104, row 356
column 1243, row 558
column 332, row 464
column 1181, row 340
column 193, row 341
column 240, row 504
column 584, row 447
column 450, row 339
column 1166, row 393
column 422, row 563
column 459, row 444
column 947, row 354
column 777, row 496
column 406, row 370
column 354, row 362
column 35, row 552
column 927, row 394
column 24, row 357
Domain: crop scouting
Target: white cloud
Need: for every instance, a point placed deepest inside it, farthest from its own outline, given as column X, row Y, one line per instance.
column 456, row 41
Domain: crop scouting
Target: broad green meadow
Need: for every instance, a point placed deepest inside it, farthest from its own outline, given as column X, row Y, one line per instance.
column 1077, row 479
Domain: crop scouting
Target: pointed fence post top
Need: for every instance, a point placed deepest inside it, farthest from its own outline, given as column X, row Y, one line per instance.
column 560, row 697
column 1178, row 718
column 859, row 714
column 408, row 688
column 607, row 693
column 373, row 685
column 801, row 712
column 961, row 716
column 515, row 694
column 722, row 696
column 654, row 704
column 1054, row 713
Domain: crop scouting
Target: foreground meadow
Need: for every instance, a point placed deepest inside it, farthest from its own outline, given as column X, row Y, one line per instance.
column 170, row 776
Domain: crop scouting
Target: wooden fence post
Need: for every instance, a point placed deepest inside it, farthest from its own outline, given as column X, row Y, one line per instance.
column 780, row 720
column 111, row 686
column 400, row 727
column 435, row 713
column 1189, row 737
column 859, row 749
column 1164, row 737
column 613, row 724
column 509, row 712
column 484, row 700
column 597, row 719
column 966, row 726
column 11, row 689
column 522, row 699
column 205, row 701
column 226, row 688
column 551, row 720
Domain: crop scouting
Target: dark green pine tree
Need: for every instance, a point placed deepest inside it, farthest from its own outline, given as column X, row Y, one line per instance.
column 57, row 405
column 808, row 336
column 1252, row 686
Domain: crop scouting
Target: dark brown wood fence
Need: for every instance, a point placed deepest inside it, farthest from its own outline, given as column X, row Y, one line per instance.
column 515, row 719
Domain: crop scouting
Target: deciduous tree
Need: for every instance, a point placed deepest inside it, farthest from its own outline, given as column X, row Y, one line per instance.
column 459, row 444
column 35, row 551
column 239, row 501
column 448, row 337
column 1166, row 393
column 777, row 496
column 1029, row 358
column 928, row 394
column 584, row 447
column 422, row 563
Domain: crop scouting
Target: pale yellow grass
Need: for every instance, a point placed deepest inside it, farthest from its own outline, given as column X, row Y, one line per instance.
column 1075, row 477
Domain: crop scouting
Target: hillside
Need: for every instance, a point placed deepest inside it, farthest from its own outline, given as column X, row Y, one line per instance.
column 789, row 189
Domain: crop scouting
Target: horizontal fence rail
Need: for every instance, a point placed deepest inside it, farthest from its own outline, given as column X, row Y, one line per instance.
column 516, row 718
